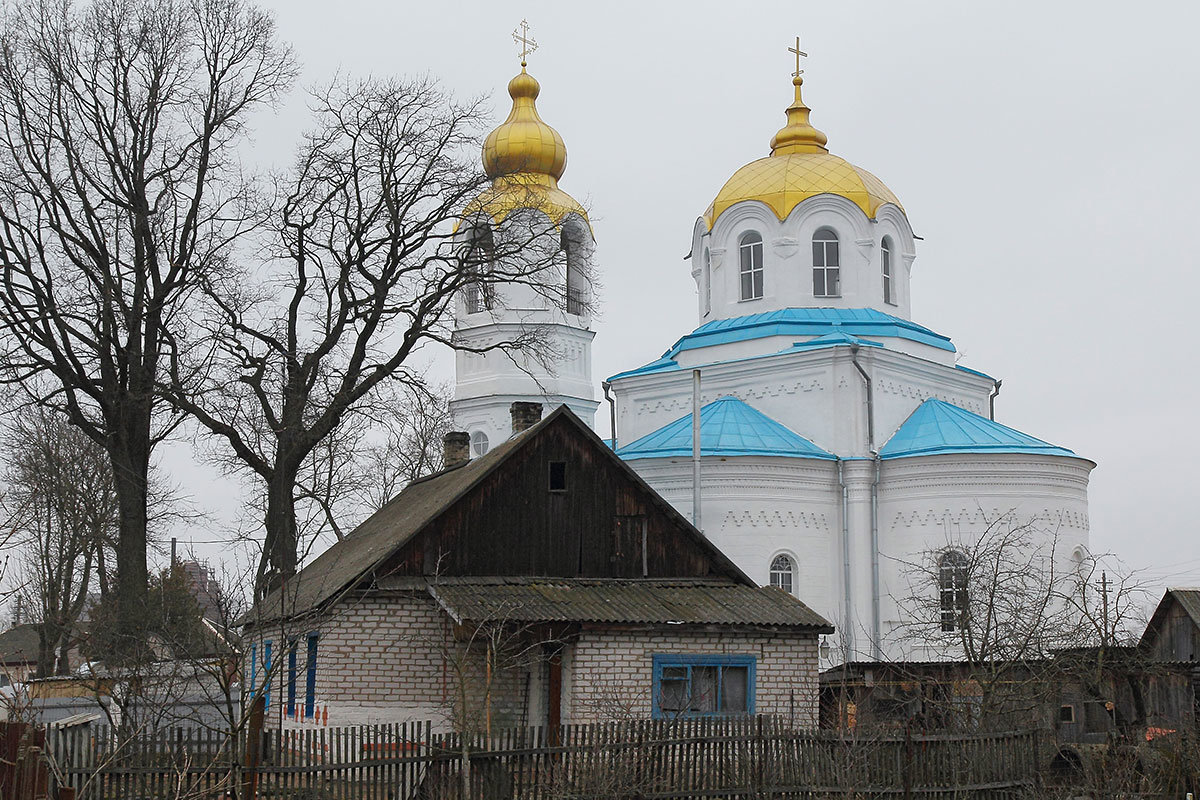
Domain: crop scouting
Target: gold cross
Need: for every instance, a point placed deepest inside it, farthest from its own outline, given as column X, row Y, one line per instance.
column 528, row 45
column 798, row 53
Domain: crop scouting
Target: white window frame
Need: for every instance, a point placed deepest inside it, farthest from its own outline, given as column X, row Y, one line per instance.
column 479, row 444
column 750, row 265
column 953, row 592
column 783, row 573
column 885, row 258
column 825, row 243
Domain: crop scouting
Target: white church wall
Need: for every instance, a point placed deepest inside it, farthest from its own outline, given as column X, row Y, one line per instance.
column 930, row 503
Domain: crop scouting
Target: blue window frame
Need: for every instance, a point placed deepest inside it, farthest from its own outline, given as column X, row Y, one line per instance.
column 291, row 677
column 696, row 685
column 310, row 679
column 267, row 675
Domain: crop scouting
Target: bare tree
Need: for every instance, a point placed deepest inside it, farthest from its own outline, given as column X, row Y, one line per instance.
column 358, row 281
column 62, row 504
column 119, row 192
column 1019, row 615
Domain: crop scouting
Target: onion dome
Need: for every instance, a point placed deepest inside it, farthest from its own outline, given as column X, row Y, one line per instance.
column 798, row 168
column 524, row 157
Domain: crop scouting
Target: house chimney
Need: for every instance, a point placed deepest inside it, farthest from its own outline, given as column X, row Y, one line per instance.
column 525, row 415
column 456, row 448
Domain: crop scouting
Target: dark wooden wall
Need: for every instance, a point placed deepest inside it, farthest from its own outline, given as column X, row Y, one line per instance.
column 1178, row 637
column 512, row 524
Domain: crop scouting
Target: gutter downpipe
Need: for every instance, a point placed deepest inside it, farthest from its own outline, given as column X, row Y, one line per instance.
column 696, row 449
column 848, row 623
column 876, row 621
column 612, row 413
column 992, row 400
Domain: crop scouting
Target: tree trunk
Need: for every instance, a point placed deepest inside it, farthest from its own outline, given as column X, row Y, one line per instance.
column 278, row 561
column 131, row 465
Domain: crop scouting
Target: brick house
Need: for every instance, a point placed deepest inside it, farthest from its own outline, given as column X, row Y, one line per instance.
column 542, row 583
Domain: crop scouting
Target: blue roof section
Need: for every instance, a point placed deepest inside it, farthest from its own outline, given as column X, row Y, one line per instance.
column 728, row 427
column 836, row 326
column 938, row 427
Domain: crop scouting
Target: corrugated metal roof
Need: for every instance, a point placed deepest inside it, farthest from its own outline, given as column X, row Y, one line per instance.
column 937, row 427
column 659, row 602
column 728, row 427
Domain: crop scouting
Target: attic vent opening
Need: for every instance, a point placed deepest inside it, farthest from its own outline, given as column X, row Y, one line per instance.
column 558, row 476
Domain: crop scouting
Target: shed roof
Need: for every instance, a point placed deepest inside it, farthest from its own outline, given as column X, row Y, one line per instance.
column 350, row 560
column 615, row 601
column 728, row 427
column 19, row 644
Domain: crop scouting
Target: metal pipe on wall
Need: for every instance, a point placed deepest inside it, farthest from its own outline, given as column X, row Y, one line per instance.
column 696, row 449
column 876, row 622
column 847, row 620
column 612, row 413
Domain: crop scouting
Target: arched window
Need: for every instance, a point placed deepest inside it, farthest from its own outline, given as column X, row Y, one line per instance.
column 478, row 256
column 479, row 443
column 826, row 264
column 783, row 572
column 751, row 250
column 952, row 586
column 575, row 299
column 885, row 255
column 707, row 282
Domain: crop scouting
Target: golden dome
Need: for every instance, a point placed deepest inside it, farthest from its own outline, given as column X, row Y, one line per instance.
column 524, row 157
column 798, row 168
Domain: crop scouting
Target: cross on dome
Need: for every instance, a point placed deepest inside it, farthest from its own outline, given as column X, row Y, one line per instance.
column 798, row 53
column 521, row 36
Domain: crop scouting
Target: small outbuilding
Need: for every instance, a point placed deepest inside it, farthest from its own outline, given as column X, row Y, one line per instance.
column 543, row 583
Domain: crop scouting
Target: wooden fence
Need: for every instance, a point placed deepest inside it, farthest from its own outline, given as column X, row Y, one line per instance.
column 731, row 758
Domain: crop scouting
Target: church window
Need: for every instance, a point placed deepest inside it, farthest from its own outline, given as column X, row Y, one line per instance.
column 783, row 572
column 576, row 300
column 952, row 586
column 479, row 443
column 479, row 254
column 707, row 282
column 885, row 252
column 751, row 250
column 826, row 264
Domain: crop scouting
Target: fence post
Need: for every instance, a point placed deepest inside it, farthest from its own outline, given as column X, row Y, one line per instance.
column 908, row 761
column 253, row 748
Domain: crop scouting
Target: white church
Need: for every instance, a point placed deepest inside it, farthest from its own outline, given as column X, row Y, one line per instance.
column 840, row 441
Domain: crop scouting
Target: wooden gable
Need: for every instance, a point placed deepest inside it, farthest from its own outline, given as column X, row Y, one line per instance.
column 560, row 505
column 1173, row 634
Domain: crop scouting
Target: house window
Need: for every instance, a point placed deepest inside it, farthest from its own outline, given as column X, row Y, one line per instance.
column 751, row 250
column 291, row 678
column 1066, row 714
column 826, row 271
column 558, row 476
column 253, row 670
column 310, row 678
column 702, row 685
column 783, row 571
column 885, row 252
column 952, row 585
column 707, row 282
column 479, row 443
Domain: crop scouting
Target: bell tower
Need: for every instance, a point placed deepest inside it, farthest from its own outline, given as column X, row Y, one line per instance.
column 523, row 329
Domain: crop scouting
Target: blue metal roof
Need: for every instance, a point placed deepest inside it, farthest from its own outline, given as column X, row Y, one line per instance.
column 837, row 326
column 728, row 427
column 938, row 427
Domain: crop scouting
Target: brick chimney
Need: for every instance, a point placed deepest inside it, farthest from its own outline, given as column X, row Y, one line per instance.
column 525, row 415
column 456, row 448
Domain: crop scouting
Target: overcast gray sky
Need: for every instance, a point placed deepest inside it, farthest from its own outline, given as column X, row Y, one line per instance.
column 1046, row 152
